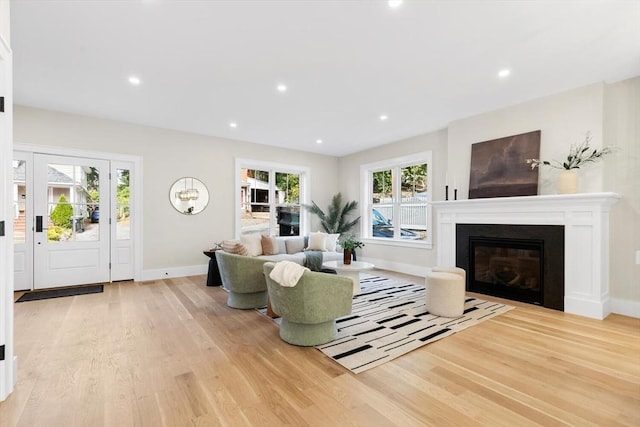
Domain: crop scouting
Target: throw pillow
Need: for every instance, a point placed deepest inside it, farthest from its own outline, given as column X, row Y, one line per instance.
column 253, row 242
column 282, row 245
column 294, row 245
column 331, row 241
column 317, row 241
column 269, row 245
column 234, row 247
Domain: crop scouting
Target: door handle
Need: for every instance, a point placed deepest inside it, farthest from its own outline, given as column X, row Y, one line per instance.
column 39, row 224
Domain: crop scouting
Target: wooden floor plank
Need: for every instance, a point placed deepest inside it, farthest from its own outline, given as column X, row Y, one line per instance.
column 172, row 353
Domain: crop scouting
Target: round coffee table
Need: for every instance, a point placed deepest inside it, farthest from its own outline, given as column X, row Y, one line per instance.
column 350, row 270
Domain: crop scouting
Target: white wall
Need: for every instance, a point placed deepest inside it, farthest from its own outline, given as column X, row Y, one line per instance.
column 173, row 240
column 610, row 112
column 5, row 26
column 408, row 260
column 622, row 175
column 563, row 119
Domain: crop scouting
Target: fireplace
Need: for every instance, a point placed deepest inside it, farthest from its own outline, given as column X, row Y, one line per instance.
column 507, row 268
column 585, row 220
column 519, row 262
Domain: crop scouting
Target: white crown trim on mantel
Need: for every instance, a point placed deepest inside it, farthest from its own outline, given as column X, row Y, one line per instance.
column 585, row 217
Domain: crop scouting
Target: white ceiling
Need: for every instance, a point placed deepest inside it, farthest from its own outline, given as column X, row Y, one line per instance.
column 204, row 64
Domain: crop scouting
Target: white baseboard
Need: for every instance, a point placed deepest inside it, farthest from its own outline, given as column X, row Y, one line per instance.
column 412, row 269
column 194, row 270
column 625, row 307
column 166, row 273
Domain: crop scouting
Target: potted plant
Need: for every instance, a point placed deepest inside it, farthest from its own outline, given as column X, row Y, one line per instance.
column 336, row 219
column 349, row 244
column 579, row 155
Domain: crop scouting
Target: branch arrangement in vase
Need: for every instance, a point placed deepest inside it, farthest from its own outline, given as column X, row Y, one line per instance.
column 579, row 155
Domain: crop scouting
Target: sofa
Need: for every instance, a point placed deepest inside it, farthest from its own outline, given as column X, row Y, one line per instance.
column 240, row 262
column 290, row 248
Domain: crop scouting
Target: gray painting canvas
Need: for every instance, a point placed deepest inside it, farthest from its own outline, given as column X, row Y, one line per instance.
column 499, row 167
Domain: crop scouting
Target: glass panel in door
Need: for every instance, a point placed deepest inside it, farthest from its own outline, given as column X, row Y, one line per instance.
column 122, row 266
column 22, row 222
column 73, row 199
column 123, row 204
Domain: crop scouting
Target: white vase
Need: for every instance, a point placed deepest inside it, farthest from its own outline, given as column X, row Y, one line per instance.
column 567, row 182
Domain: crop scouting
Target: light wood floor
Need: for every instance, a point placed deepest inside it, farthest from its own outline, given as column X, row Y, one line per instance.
column 171, row 353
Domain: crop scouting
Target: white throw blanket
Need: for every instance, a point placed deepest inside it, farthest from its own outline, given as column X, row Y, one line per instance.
column 287, row 273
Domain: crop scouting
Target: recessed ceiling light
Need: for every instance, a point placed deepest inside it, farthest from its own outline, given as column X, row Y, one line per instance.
column 394, row 4
column 135, row 81
column 282, row 88
column 383, row 117
column 233, row 125
column 504, row 73
column 318, row 141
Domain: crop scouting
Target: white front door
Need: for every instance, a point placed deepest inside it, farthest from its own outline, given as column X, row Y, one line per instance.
column 71, row 237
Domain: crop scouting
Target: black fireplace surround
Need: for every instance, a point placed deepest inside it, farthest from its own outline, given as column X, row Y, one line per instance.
column 519, row 262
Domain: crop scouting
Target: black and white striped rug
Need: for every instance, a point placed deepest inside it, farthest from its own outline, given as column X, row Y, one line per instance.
column 389, row 319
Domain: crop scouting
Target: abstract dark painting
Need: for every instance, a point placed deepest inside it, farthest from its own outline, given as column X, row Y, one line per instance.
column 499, row 167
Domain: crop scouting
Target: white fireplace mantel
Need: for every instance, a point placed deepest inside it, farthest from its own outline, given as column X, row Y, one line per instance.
column 585, row 217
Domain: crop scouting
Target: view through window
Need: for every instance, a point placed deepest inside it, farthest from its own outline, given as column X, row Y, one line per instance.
column 123, row 204
column 398, row 199
column 270, row 201
column 73, row 193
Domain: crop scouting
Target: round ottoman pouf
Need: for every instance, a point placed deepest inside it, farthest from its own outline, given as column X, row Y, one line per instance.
column 454, row 270
column 445, row 294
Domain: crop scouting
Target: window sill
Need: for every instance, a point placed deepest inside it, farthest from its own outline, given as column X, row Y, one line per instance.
column 422, row 244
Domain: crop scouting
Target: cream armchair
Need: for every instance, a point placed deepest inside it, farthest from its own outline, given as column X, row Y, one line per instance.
column 310, row 308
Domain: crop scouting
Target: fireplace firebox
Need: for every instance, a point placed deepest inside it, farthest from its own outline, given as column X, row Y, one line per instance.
column 519, row 262
column 508, row 268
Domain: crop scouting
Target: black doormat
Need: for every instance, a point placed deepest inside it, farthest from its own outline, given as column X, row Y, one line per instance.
column 57, row 293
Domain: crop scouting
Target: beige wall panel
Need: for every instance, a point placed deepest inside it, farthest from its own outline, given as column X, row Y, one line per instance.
column 610, row 112
column 563, row 120
column 5, row 25
column 170, row 238
column 622, row 175
column 350, row 187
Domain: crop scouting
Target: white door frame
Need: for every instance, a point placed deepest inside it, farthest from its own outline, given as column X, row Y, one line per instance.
column 8, row 364
column 136, row 178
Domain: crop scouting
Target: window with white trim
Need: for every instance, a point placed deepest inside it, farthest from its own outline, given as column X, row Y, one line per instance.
column 269, row 197
column 396, row 200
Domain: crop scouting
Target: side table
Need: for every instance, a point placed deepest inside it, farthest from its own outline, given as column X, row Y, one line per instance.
column 213, row 276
